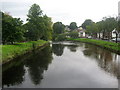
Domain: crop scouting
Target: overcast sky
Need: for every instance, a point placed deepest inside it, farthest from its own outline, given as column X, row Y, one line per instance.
column 65, row 11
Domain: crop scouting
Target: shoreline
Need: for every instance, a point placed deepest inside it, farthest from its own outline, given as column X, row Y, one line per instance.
column 30, row 48
column 114, row 47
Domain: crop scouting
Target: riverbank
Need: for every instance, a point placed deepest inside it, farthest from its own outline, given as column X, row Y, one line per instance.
column 10, row 52
column 115, row 47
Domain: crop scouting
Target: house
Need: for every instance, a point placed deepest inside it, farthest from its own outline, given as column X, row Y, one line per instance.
column 82, row 32
column 114, row 34
column 99, row 35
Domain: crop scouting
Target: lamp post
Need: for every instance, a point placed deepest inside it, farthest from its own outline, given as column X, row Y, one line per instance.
column 116, row 34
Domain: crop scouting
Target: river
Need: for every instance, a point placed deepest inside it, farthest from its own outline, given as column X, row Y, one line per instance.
column 63, row 65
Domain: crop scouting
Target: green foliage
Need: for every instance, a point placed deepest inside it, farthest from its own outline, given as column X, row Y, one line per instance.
column 58, row 28
column 86, row 23
column 73, row 26
column 73, row 34
column 110, row 23
column 59, row 37
column 106, row 26
column 12, row 30
column 11, row 51
column 92, row 29
column 58, row 31
column 39, row 26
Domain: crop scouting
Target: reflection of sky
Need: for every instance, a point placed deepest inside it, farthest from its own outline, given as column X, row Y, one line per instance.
column 65, row 11
column 74, row 70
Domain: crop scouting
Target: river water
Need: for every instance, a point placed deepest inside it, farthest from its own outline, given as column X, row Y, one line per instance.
column 63, row 65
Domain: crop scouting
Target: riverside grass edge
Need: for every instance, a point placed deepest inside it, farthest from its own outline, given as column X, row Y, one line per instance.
column 112, row 46
column 9, row 52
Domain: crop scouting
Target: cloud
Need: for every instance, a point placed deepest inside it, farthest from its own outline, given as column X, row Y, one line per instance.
column 65, row 11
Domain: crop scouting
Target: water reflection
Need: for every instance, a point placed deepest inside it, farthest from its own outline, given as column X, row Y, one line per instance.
column 72, row 48
column 58, row 49
column 80, row 65
column 14, row 75
column 36, row 62
column 105, row 59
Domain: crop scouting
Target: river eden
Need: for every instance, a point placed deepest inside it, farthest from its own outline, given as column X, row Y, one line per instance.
column 63, row 65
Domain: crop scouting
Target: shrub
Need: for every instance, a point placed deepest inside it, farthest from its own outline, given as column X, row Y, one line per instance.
column 74, row 34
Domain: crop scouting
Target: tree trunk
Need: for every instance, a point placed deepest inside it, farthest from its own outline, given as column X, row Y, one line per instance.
column 99, row 35
column 116, row 37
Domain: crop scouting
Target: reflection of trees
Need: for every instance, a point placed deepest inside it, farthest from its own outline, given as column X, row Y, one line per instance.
column 37, row 63
column 57, row 49
column 13, row 75
column 72, row 48
column 106, row 59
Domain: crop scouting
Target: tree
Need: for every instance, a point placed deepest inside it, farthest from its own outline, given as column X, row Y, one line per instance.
column 12, row 30
column 47, row 35
column 73, row 26
column 73, row 34
column 110, row 24
column 34, row 24
column 58, row 28
column 100, row 25
column 86, row 23
column 39, row 26
column 92, row 29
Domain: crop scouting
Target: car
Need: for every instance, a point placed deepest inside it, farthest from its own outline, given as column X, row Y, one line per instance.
column 89, row 37
column 114, row 39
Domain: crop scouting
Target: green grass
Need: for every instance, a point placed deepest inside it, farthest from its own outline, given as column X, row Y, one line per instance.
column 11, row 51
column 105, row 44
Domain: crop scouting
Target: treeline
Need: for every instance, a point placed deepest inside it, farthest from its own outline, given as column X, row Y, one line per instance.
column 103, row 28
column 60, row 33
column 38, row 26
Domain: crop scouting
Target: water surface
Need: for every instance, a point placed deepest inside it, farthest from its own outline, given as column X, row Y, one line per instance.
column 64, row 65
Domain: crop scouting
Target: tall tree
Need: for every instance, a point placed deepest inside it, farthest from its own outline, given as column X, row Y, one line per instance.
column 73, row 25
column 39, row 26
column 34, row 24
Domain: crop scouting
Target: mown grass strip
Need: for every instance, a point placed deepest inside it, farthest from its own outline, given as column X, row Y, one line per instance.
column 105, row 44
column 11, row 51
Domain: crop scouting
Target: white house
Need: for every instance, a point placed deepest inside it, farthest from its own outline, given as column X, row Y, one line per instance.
column 81, row 32
column 114, row 34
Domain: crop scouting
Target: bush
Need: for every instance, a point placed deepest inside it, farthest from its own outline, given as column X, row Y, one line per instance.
column 73, row 34
column 59, row 37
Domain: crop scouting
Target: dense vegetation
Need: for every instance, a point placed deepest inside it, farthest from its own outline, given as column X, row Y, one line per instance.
column 38, row 27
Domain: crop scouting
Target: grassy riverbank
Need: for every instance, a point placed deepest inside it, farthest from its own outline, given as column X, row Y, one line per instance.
column 11, row 51
column 105, row 44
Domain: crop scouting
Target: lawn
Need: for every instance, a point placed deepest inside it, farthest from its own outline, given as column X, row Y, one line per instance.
column 11, row 51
